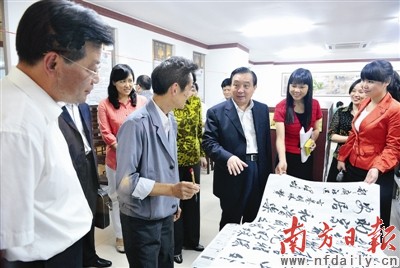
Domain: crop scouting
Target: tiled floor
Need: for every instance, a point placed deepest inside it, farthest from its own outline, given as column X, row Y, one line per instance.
column 210, row 215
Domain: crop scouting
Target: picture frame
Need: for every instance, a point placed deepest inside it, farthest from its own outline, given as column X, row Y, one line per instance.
column 161, row 52
column 327, row 84
column 99, row 91
column 199, row 59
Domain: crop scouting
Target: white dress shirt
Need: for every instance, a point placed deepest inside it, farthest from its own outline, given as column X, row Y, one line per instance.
column 246, row 119
column 43, row 209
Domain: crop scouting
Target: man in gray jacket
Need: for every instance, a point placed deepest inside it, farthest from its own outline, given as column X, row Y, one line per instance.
column 148, row 183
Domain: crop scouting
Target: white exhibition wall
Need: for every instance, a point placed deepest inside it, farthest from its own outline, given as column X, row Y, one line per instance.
column 270, row 79
column 133, row 46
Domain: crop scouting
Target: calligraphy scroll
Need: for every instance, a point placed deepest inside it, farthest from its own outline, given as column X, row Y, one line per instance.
column 304, row 219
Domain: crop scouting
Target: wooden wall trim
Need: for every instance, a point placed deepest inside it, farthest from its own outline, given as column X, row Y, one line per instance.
column 231, row 45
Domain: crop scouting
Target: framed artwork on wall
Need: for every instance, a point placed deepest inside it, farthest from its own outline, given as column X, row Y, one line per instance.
column 107, row 62
column 200, row 59
column 327, row 84
column 161, row 52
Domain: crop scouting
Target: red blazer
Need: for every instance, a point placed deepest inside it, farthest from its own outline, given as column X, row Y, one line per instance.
column 377, row 143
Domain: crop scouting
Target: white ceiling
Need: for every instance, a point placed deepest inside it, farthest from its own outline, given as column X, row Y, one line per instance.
column 218, row 22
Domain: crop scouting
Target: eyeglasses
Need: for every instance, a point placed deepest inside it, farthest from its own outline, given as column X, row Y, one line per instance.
column 93, row 73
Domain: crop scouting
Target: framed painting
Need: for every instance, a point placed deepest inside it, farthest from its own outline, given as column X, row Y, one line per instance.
column 327, row 84
column 199, row 59
column 161, row 52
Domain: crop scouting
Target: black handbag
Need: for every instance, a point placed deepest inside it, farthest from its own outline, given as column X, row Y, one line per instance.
column 103, row 207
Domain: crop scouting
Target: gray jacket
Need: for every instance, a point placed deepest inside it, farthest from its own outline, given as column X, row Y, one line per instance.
column 145, row 151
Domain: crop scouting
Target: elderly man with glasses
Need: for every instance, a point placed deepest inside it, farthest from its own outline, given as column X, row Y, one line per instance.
column 44, row 213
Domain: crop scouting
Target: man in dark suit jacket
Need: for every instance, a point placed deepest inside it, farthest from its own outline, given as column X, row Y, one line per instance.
column 76, row 125
column 237, row 138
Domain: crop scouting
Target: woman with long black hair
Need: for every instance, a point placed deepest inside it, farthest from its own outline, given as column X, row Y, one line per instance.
column 298, row 110
column 122, row 100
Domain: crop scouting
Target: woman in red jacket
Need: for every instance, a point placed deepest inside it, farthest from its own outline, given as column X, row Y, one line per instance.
column 373, row 148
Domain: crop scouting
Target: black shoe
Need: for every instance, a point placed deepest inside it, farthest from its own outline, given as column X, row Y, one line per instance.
column 178, row 258
column 99, row 262
column 196, row 248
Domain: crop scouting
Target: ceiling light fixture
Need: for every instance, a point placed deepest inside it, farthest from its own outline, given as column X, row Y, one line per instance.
column 273, row 27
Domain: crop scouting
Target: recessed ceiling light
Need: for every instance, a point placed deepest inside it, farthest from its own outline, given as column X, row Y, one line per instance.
column 281, row 26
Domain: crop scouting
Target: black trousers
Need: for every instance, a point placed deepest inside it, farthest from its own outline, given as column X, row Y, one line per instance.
column 88, row 244
column 148, row 243
column 187, row 228
column 88, row 247
column 69, row 258
column 333, row 171
column 245, row 209
column 386, row 183
column 298, row 169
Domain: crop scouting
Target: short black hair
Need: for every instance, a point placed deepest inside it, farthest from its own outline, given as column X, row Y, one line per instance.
column 339, row 104
column 61, row 26
column 173, row 70
column 144, row 81
column 244, row 70
column 226, row 82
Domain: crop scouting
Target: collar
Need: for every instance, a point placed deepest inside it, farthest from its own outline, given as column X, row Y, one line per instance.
column 248, row 107
column 62, row 103
column 49, row 107
column 164, row 118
